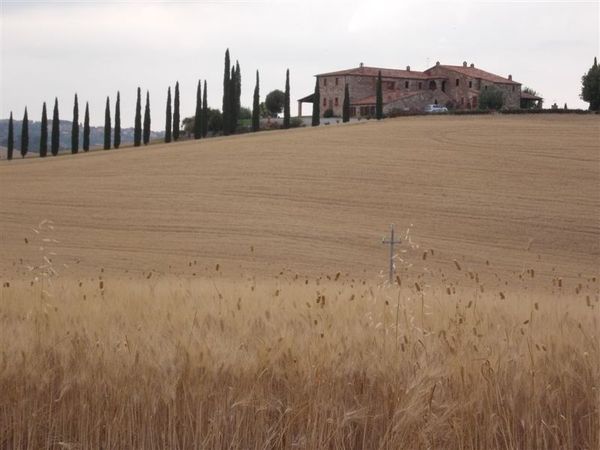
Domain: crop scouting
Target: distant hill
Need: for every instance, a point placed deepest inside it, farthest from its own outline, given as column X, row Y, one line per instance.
column 96, row 135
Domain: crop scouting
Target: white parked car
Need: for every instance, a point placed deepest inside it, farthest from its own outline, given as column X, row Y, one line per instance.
column 435, row 109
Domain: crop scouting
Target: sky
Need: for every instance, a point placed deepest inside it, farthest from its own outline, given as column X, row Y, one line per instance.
column 54, row 49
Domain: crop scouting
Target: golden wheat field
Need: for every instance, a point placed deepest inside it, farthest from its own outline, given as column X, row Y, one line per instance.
column 233, row 293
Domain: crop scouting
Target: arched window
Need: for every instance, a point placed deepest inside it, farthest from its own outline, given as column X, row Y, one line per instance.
column 432, row 85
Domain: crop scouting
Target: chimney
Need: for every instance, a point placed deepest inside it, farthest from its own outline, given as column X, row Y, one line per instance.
column 464, row 64
column 472, row 66
column 437, row 63
column 408, row 68
column 510, row 77
column 362, row 65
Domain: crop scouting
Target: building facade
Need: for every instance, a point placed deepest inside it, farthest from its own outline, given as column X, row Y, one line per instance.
column 457, row 87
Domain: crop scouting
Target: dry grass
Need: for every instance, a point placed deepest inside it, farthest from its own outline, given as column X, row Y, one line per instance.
column 152, row 310
column 297, row 363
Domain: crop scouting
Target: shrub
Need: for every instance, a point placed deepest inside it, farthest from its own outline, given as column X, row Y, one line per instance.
column 328, row 113
column 491, row 98
column 296, row 122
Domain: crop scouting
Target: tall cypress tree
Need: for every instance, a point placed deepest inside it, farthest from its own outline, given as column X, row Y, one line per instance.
column 107, row 125
column 232, row 84
column 118, row 121
column 226, row 94
column 86, row 128
column 137, row 129
column 379, row 99
column 176, row 113
column 286, row 102
column 147, row 119
column 11, row 139
column 55, row 130
column 256, row 106
column 237, row 93
column 44, row 133
column 198, row 115
column 75, row 127
column 346, row 111
column 316, row 112
column 168, row 117
column 25, row 135
column 204, row 112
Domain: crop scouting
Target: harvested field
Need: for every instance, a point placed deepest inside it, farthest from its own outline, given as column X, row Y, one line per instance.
column 512, row 190
column 231, row 293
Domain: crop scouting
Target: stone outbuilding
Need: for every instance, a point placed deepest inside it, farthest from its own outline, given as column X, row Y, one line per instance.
column 457, row 87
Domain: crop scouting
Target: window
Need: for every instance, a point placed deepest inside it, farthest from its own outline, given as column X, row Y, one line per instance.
column 462, row 100
column 485, row 87
column 406, row 84
column 324, row 81
column 337, row 80
column 513, row 89
column 470, row 84
column 457, row 82
column 420, row 85
column 325, row 102
column 336, row 102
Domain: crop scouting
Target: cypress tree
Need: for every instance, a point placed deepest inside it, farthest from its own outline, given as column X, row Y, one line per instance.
column 232, row 85
column 237, row 89
column 226, row 94
column 147, row 119
column 198, row 115
column 117, row 136
column 176, row 113
column 590, row 87
column 44, row 133
column 25, row 135
column 11, row 140
column 55, row 130
column 86, row 128
column 316, row 112
column 137, row 128
column 286, row 102
column 204, row 112
column 256, row 106
column 346, row 112
column 75, row 127
column 168, row 118
column 107, row 125
column 379, row 99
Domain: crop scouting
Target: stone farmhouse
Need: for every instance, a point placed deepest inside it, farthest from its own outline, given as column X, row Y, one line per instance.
column 457, row 87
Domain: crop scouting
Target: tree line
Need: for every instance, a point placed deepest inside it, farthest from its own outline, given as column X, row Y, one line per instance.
column 204, row 119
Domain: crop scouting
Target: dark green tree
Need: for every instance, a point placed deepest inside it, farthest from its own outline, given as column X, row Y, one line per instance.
column 137, row 127
column 226, row 94
column 25, row 135
column 176, row 119
column 256, row 106
column 44, row 133
column 86, row 128
column 346, row 111
column 147, row 119
column 379, row 99
column 237, row 93
column 286, row 101
column 491, row 98
column 168, row 118
column 316, row 112
column 590, row 87
column 55, row 143
column 10, row 145
column 75, row 127
column 117, row 136
column 198, row 115
column 274, row 102
column 107, row 125
column 204, row 112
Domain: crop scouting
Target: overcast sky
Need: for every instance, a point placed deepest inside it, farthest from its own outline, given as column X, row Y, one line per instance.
column 54, row 49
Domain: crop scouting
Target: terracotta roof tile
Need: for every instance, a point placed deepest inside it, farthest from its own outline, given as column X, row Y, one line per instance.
column 374, row 71
column 474, row 72
column 528, row 96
